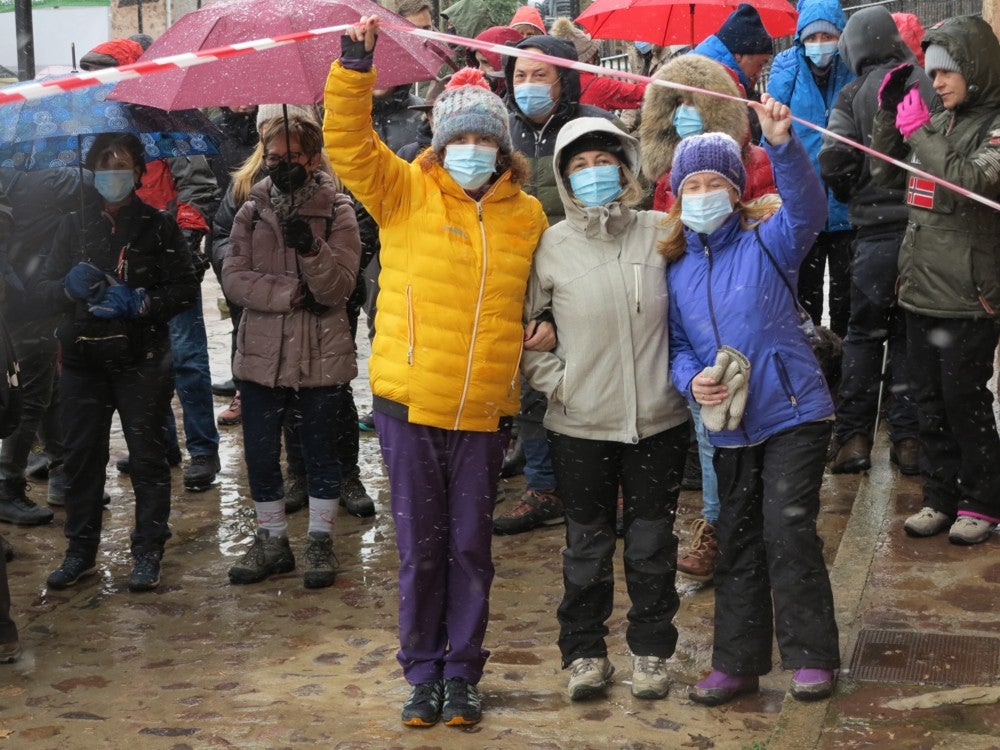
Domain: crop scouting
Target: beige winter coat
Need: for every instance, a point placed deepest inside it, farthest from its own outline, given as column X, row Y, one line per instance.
column 599, row 274
column 279, row 344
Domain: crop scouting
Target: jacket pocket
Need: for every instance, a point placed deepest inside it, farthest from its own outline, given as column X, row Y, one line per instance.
column 785, row 380
column 107, row 344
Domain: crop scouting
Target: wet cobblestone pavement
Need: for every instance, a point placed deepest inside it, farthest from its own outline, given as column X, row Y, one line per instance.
column 200, row 664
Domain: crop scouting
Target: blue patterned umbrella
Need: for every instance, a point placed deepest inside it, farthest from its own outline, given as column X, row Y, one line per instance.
column 57, row 131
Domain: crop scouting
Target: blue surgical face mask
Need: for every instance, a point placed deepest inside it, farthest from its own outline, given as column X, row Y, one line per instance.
column 470, row 165
column 597, row 186
column 687, row 121
column 114, row 185
column 534, row 99
column 821, row 53
column 644, row 48
column 705, row 212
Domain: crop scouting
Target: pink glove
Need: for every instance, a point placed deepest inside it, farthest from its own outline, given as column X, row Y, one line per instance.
column 912, row 114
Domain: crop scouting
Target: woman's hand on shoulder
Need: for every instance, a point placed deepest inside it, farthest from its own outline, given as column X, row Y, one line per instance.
column 775, row 120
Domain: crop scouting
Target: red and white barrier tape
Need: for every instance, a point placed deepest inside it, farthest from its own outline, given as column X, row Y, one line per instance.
column 37, row 90
column 562, row 62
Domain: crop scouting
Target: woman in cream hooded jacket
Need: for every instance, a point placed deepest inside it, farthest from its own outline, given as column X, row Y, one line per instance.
column 614, row 419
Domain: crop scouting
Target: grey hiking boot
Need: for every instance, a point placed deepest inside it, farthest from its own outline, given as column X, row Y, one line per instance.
column 16, row 508
column 322, row 564
column 927, row 522
column 649, row 677
column 970, row 530
column 589, row 677
column 267, row 556
column 355, row 498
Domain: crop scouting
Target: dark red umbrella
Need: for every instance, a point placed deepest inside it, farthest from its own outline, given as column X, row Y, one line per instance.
column 666, row 22
column 290, row 74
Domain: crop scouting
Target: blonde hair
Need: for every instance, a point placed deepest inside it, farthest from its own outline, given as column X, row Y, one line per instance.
column 672, row 246
column 249, row 172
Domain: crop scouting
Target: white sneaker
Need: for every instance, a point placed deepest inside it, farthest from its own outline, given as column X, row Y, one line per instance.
column 926, row 522
column 589, row 677
column 970, row 530
column 649, row 677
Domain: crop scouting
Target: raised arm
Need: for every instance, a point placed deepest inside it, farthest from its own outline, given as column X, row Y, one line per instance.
column 370, row 170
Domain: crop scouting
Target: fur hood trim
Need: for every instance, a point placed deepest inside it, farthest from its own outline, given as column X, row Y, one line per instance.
column 657, row 134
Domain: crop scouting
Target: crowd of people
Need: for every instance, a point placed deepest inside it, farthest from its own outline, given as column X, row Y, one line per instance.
column 599, row 284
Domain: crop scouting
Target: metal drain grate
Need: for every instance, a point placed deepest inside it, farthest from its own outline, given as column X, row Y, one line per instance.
column 901, row 656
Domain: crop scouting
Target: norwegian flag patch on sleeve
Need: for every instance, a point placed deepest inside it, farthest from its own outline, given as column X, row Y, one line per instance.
column 920, row 193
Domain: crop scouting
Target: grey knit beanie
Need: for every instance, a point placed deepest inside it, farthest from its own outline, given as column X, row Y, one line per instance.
column 936, row 57
column 468, row 106
column 817, row 26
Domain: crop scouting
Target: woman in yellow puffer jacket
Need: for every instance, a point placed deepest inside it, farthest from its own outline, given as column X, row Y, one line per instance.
column 457, row 237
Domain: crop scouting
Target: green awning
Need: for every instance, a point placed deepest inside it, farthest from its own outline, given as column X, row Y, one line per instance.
column 7, row 6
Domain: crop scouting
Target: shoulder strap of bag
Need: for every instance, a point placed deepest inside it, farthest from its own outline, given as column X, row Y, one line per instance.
column 788, row 284
column 770, row 257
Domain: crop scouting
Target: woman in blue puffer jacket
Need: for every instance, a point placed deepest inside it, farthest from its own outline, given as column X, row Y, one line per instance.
column 737, row 348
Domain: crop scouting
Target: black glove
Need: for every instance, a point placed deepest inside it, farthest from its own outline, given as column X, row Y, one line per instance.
column 309, row 302
column 894, row 88
column 354, row 56
column 199, row 258
column 299, row 237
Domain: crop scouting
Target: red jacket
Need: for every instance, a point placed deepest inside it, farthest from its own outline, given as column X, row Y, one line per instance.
column 160, row 190
column 760, row 180
column 610, row 93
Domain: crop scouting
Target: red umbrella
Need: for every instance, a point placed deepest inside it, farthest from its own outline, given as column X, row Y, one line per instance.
column 666, row 22
column 291, row 74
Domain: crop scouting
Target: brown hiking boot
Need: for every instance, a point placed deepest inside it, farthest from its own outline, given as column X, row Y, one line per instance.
column 535, row 508
column 233, row 414
column 905, row 454
column 854, row 455
column 699, row 562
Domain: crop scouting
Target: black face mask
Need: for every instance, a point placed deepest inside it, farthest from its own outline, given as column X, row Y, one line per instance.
column 287, row 177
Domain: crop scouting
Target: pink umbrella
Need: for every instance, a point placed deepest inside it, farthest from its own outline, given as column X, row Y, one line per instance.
column 291, row 74
column 666, row 22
